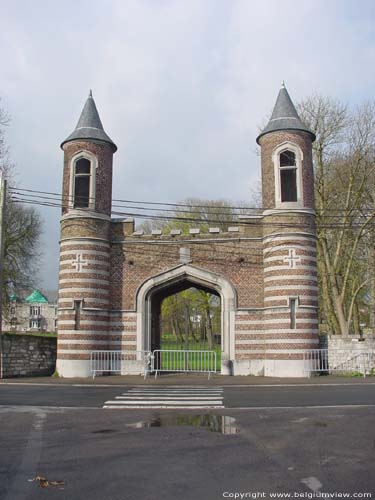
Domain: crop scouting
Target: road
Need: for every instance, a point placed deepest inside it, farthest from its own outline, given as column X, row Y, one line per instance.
column 278, row 439
column 95, row 396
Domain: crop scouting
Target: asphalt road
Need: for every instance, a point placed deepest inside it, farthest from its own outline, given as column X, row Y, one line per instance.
column 234, row 396
column 113, row 455
column 277, row 444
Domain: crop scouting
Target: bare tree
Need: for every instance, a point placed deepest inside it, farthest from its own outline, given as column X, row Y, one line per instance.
column 344, row 162
column 196, row 212
column 23, row 228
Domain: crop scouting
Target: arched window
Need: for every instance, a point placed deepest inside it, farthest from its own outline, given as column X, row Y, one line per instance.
column 288, row 177
column 82, row 176
column 287, row 159
column 83, row 180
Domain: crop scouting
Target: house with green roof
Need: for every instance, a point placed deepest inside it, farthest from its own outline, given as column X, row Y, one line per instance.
column 30, row 312
column 36, row 298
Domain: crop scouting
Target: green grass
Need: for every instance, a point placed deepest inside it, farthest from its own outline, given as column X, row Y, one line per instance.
column 177, row 361
column 180, row 362
column 33, row 334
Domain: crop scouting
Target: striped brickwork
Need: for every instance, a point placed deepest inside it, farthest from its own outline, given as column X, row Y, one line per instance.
column 290, row 272
column 249, row 332
column 122, row 331
column 83, row 276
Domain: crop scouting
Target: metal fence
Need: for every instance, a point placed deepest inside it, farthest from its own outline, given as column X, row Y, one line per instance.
column 145, row 362
column 340, row 361
column 319, row 361
column 121, row 362
column 183, row 361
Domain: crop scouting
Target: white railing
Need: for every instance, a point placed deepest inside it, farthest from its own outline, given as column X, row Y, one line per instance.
column 183, row 361
column 120, row 362
column 341, row 361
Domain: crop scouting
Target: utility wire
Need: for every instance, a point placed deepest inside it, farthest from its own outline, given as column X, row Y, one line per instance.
column 343, row 225
column 213, row 210
column 138, row 202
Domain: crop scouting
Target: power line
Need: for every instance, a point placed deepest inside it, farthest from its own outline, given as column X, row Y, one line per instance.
column 177, row 205
column 344, row 225
column 138, row 202
column 166, row 217
column 214, row 211
column 177, row 211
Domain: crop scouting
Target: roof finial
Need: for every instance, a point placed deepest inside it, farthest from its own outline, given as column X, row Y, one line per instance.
column 283, row 84
column 90, row 94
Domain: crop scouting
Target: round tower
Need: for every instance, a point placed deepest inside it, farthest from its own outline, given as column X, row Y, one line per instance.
column 84, row 244
column 289, row 241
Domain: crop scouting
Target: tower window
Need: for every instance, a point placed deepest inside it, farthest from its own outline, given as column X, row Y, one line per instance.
column 292, row 303
column 287, row 159
column 288, row 176
column 77, row 314
column 288, row 181
column 82, row 176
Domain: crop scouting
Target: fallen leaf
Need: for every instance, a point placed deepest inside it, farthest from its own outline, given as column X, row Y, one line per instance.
column 44, row 483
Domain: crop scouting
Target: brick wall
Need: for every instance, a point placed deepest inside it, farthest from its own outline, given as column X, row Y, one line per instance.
column 27, row 355
column 123, row 331
column 238, row 259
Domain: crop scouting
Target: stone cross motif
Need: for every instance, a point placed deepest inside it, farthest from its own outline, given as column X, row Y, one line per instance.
column 79, row 262
column 292, row 258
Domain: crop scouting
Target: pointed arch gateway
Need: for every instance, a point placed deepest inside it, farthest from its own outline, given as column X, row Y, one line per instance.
column 177, row 279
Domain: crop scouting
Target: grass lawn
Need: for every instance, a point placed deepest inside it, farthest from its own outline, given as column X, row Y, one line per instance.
column 33, row 334
column 180, row 361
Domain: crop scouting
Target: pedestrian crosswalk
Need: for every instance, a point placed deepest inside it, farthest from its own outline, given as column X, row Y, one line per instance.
column 169, row 397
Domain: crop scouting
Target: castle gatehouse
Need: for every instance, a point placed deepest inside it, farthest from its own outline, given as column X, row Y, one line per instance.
column 113, row 277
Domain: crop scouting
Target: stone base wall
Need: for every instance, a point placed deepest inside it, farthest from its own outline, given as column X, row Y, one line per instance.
column 288, row 368
column 27, row 355
column 353, row 343
column 344, row 353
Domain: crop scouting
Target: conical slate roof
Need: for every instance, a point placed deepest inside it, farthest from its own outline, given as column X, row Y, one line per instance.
column 284, row 116
column 89, row 125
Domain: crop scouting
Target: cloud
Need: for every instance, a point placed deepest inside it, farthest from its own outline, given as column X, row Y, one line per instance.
column 180, row 86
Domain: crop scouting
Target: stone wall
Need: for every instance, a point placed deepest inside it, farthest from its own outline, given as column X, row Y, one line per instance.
column 28, row 355
column 349, row 354
column 351, row 343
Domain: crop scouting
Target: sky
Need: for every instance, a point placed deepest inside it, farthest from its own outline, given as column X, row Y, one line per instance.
column 182, row 87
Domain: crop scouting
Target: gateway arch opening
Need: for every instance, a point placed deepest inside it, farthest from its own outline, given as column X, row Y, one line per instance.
column 186, row 316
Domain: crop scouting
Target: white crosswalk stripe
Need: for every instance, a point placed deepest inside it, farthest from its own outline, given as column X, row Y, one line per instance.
column 169, row 397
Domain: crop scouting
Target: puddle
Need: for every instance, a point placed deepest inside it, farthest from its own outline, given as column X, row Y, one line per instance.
column 213, row 423
column 320, row 424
